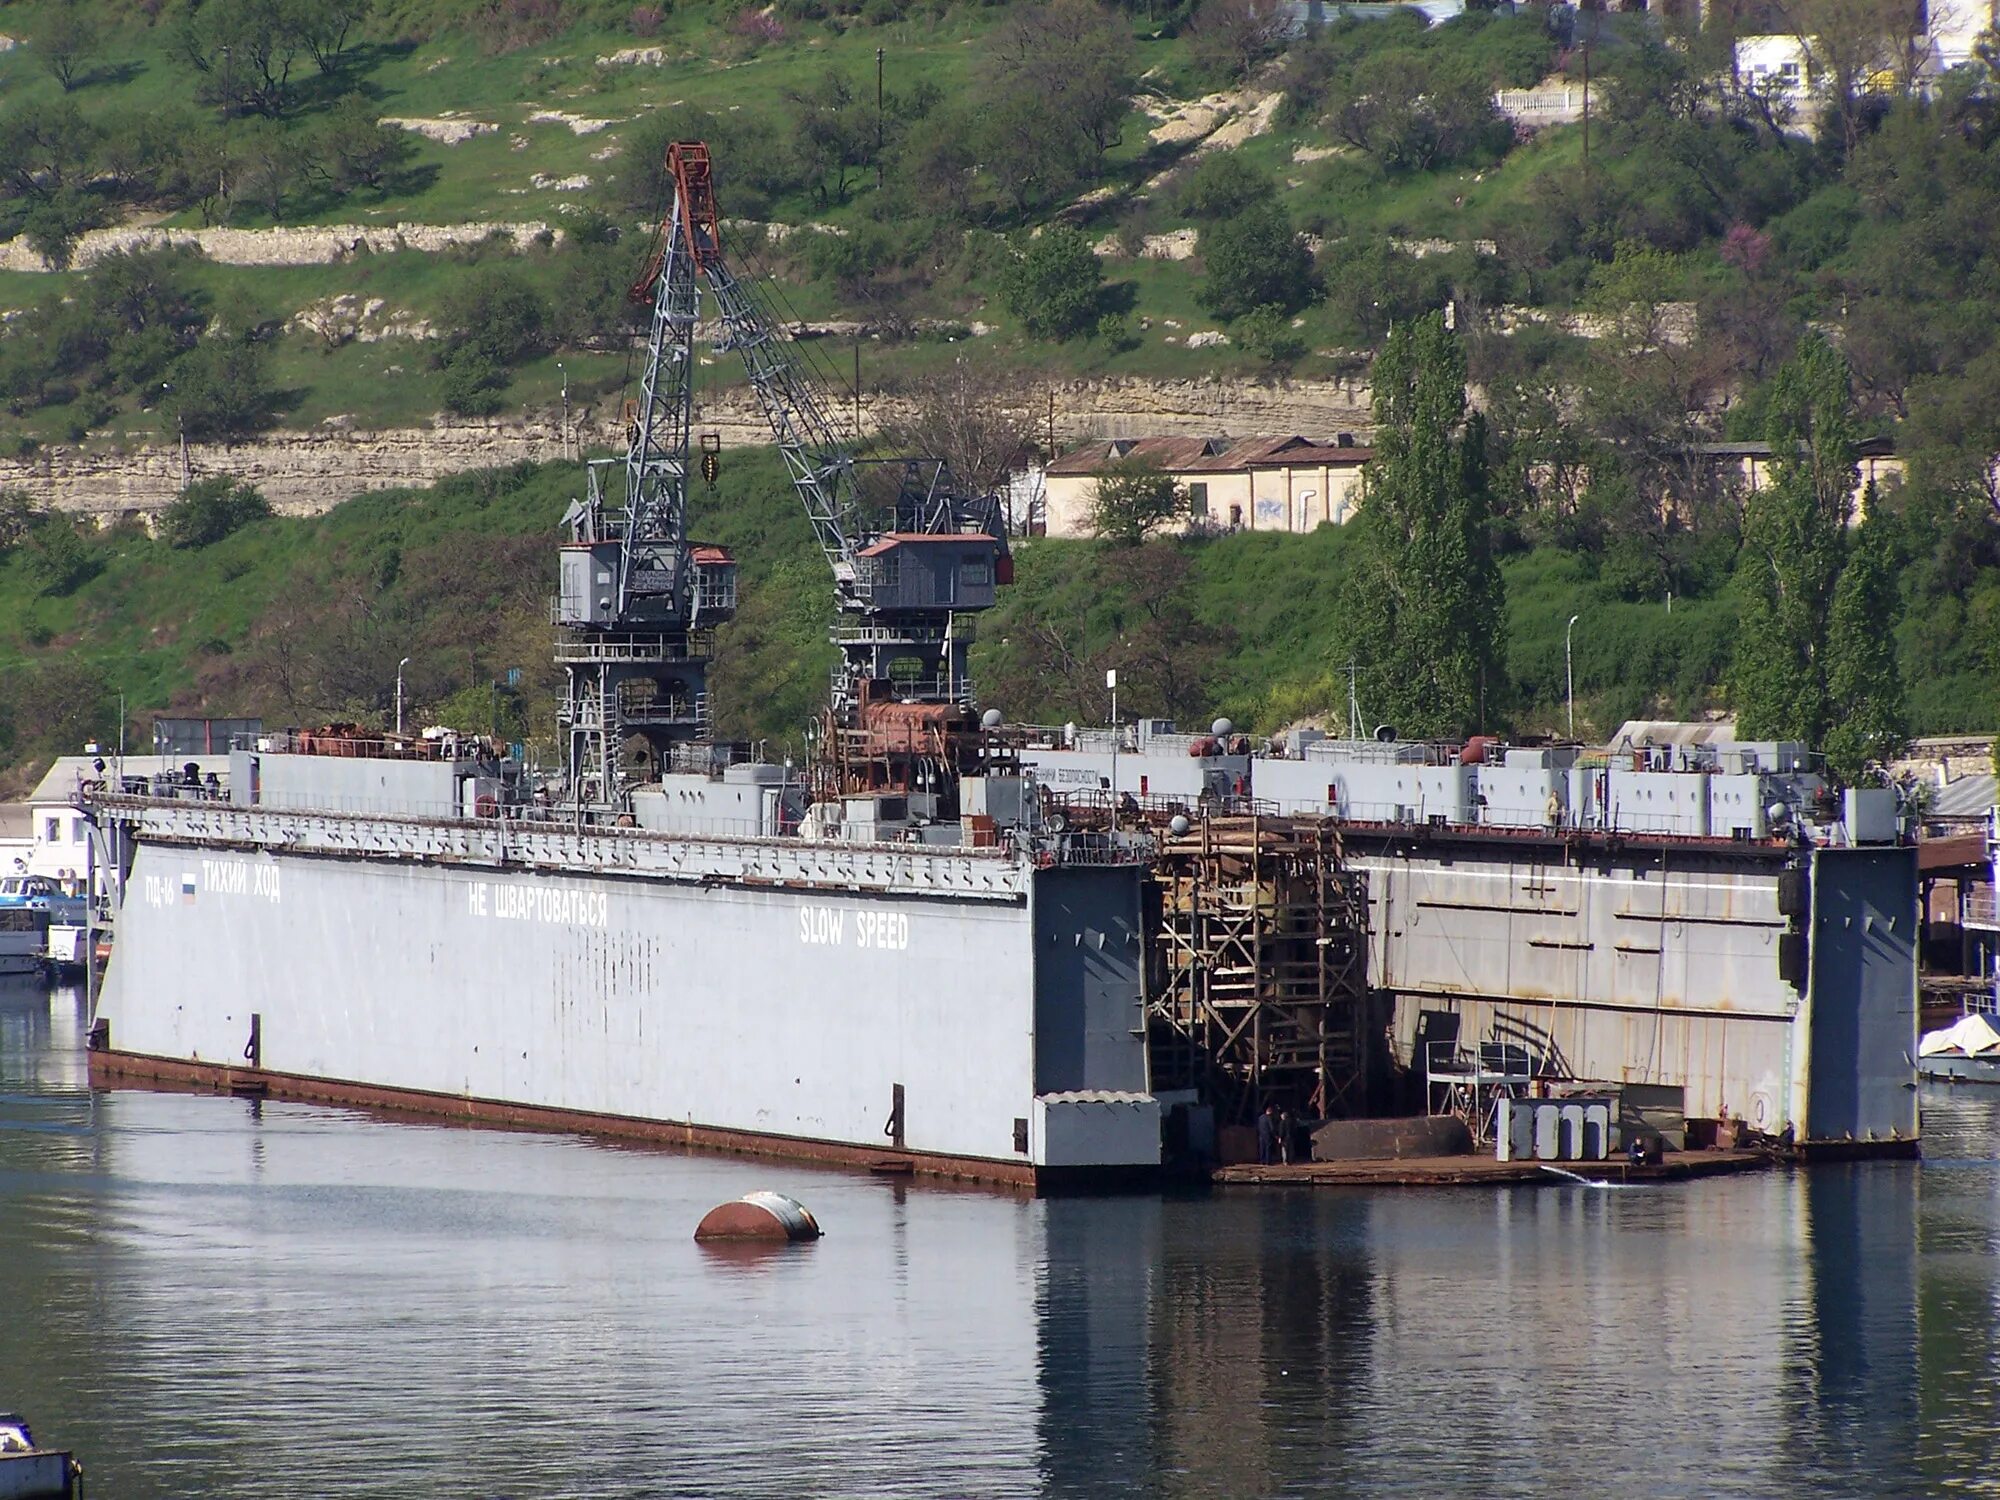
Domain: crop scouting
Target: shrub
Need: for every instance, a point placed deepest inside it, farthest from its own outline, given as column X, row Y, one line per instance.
column 471, row 384
column 19, row 516
column 504, row 25
column 209, row 510
column 645, row 21
column 757, row 27
column 1222, row 186
column 1114, row 331
column 1268, row 333
column 59, row 559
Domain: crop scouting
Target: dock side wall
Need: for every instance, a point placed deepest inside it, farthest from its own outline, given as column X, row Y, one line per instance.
column 1862, row 1009
column 1638, row 967
column 770, row 1011
column 1090, row 1010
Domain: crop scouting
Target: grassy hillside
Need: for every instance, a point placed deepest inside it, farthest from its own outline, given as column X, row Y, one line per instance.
column 572, row 135
column 1021, row 203
column 303, row 620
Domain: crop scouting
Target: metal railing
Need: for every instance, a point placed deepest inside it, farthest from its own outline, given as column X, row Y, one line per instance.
column 1060, row 848
column 1075, row 849
column 844, row 634
column 587, row 647
column 1980, row 909
column 452, row 748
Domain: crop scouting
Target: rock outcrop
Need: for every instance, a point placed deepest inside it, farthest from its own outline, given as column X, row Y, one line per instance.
column 308, row 245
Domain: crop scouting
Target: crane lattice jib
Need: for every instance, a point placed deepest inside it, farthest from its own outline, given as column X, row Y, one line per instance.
column 821, row 469
column 653, row 557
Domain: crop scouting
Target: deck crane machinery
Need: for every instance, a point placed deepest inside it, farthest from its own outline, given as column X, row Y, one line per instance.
column 913, row 557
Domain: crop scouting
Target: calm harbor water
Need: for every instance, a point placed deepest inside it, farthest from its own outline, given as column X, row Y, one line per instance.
column 208, row 1296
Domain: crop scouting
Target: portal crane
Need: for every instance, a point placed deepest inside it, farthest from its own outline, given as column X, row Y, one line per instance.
column 906, row 586
column 638, row 601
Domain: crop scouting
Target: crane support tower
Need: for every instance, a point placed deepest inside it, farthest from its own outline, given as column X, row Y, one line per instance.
column 913, row 557
column 638, row 602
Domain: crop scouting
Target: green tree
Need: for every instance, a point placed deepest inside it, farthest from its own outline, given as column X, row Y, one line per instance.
column 352, row 149
column 1412, row 112
column 1255, row 259
column 53, row 224
column 46, row 149
column 325, row 27
column 1863, row 678
column 1132, row 498
column 833, row 135
column 1794, row 542
column 1074, row 57
column 221, row 389
column 494, row 311
column 489, row 321
column 67, row 42
column 1034, row 155
column 57, row 706
column 243, row 52
column 209, row 510
column 1054, row 287
column 1230, row 37
column 1426, row 600
column 470, row 383
column 590, row 306
column 274, row 165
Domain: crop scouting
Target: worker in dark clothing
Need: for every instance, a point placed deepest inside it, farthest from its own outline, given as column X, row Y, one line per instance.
column 1267, row 1136
column 1286, row 1129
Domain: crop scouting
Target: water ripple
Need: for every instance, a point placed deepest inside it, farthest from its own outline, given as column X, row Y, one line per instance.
column 221, row 1297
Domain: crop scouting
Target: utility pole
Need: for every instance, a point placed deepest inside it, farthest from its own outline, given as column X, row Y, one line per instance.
column 878, row 119
column 857, row 384
column 1586, row 100
column 399, row 694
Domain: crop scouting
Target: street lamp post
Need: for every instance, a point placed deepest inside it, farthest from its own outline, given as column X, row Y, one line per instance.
column 1111, row 681
column 564, row 434
column 399, row 694
column 1569, row 672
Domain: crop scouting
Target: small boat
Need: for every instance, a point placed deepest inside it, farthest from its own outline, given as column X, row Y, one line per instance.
column 1967, row 1051
column 34, row 903
column 24, row 941
column 31, row 1473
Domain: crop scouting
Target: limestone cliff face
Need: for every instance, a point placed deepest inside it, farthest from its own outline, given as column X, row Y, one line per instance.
column 303, row 473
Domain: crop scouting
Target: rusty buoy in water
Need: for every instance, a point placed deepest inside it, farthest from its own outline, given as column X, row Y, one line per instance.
column 769, row 1218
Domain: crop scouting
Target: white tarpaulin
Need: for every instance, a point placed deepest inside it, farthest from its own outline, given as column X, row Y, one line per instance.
column 1972, row 1035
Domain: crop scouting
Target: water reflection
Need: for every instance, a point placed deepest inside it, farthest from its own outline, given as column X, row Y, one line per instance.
column 227, row 1297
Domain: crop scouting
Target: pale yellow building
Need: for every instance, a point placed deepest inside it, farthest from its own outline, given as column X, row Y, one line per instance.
column 1233, row 484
